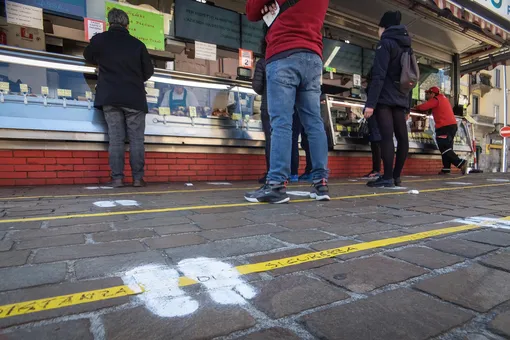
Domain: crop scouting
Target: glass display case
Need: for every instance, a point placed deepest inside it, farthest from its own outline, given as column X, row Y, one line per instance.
column 41, row 91
column 342, row 118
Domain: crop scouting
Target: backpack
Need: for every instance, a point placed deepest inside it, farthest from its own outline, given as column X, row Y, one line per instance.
column 410, row 71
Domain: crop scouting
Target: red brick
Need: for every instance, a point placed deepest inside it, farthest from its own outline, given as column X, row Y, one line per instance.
column 5, row 182
column 66, row 161
column 96, row 173
column 5, row 153
column 95, row 160
column 157, row 179
column 69, row 174
column 104, row 167
column 29, row 168
column 13, row 161
column 58, row 154
column 158, row 167
column 166, row 173
column 89, row 167
column 198, row 167
column 30, row 182
column 186, row 173
column 206, row 173
column 205, row 161
column 6, row 167
column 59, row 167
column 41, row 161
column 178, row 179
column 156, row 155
column 42, row 174
column 186, row 161
column 150, row 173
column 179, row 167
column 85, row 154
column 86, row 180
column 59, row 181
column 166, row 161
column 10, row 174
column 28, row 153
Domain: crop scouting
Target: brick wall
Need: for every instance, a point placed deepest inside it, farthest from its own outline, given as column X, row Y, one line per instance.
column 38, row 167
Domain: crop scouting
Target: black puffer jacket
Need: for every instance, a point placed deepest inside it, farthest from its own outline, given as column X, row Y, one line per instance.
column 384, row 87
column 259, row 83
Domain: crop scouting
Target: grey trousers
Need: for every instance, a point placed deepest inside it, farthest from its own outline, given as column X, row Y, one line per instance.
column 121, row 120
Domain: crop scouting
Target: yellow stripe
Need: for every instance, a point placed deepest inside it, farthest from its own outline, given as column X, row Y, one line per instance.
column 34, row 306
column 329, row 253
column 230, row 205
column 18, row 198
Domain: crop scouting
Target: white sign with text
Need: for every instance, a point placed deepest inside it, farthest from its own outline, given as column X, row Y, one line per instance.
column 205, row 51
column 500, row 7
column 24, row 15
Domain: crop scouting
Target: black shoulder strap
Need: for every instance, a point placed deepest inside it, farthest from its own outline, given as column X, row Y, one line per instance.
column 286, row 5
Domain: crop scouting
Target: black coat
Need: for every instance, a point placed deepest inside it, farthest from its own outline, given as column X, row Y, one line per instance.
column 259, row 83
column 385, row 82
column 124, row 67
column 374, row 135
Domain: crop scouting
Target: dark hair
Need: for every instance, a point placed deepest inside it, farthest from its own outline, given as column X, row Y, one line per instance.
column 263, row 42
column 118, row 17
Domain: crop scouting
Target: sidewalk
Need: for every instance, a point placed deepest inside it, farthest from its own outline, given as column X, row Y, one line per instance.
column 177, row 262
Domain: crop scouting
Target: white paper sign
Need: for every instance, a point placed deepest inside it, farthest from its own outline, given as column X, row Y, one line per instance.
column 24, row 15
column 205, row 51
column 93, row 27
column 356, row 80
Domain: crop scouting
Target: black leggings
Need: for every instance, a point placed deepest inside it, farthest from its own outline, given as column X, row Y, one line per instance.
column 392, row 121
column 376, row 156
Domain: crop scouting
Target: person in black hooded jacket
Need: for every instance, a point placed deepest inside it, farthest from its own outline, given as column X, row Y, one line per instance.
column 385, row 100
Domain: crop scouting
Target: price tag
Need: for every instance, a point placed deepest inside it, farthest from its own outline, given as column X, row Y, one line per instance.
column 330, row 69
column 88, row 95
column 237, row 116
column 152, row 91
column 356, row 80
column 4, row 86
column 149, row 84
column 164, row 111
column 64, row 93
column 45, row 90
column 23, row 88
column 192, row 111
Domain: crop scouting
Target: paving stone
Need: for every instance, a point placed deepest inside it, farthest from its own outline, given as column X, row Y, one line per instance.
column 418, row 220
column 6, row 245
column 2, row 234
column 342, row 243
column 429, row 227
column 252, row 230
column 395, row 315
column 303, row 224
column 293, row 294
column 302, row 236
column 46, row 242
column 85, row 221
column 209, row 321
column 29, row 276
column 83, row 229
column 499, row 261
column 501, row 324
column 226, row 248
column 461, row 247
column 425, row 257
column 495, row 238
column 346, row 220
column 177, row 229
column 219, row 221
column 365, row 275
column 37, row 293
column 20, row 225
column 115, row 265
column 428, row 209
column 151, row 223
column 380, row 236
column 133, row 234
column 466, row 212
column 324, row 212
column 476, row 287
column 289, row 253
column 28, row 213
column 64, row 330
column 271, row 334
column 273, row 218
column 87, row 250
column 359, row 229
column 174, row 241
column 13, row 258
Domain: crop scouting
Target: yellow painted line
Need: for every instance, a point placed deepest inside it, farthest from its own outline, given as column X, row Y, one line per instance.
column 34, row 306
column 185, row 191
column 230, row 205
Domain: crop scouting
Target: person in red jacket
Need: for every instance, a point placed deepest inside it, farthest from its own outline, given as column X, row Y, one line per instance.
column 293, row 73
column 446, row 129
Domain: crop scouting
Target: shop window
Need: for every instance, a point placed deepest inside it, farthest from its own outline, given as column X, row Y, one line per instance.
column 497, row 78
column 496, row 114
column 476, row 105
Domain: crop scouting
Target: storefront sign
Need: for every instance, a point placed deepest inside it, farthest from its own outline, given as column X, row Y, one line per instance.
column 70, row 7
column 197, row 21
column 205, row 51
column 245, row 58
column 93, row 27
column 500, row 7
column 24, row 15
column 144, row 25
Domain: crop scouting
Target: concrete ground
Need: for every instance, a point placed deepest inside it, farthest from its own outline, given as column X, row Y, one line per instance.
column 174, row 262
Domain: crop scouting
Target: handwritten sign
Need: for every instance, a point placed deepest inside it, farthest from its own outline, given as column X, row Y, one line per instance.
column 152, row 91
column 205, row 51
column 164, row 111
column 23, row 88
column 148, row 27
column 88, row 95
column 245, row 58
column 236, row 116
column 64, row 93
column 192, row 111
column 45, row 90
column 93, row 27
column 24, row 15
column 4, row 86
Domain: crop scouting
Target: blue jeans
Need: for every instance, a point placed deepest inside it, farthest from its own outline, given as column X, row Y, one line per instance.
column 295, row 82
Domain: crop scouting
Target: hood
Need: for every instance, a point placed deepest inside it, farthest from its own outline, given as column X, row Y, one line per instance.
column 398, row 34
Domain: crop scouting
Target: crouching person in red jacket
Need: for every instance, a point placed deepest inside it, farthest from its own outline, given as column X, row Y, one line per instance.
column 446, row 129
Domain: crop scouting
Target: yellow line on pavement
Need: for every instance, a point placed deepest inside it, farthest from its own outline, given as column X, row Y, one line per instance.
column 33, row 306
column 229, row 205
column 326, row 254
column 186, row 191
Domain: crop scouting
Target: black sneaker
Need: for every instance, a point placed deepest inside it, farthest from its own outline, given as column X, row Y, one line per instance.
column 397, row 181
column 263, row 179
column 381, row 183
column 320, row 191
column 269, row 193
